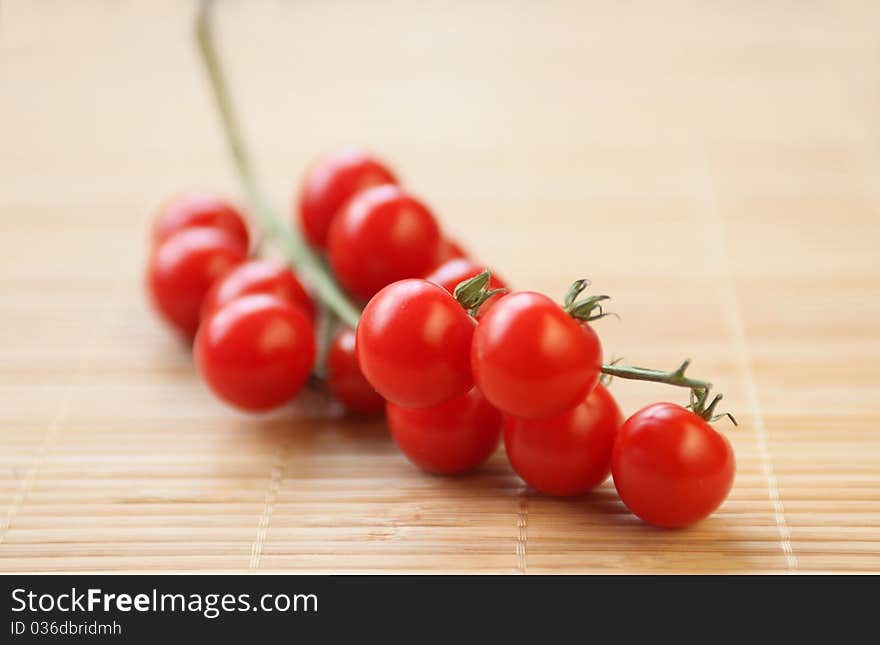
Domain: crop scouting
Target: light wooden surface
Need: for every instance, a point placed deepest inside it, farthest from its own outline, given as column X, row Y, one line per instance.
column 714, row 166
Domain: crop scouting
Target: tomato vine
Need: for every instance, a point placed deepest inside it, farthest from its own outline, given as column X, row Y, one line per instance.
column 470, row 294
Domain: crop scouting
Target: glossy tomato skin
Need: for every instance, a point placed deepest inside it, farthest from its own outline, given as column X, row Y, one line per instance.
column 450, row 438
column 259, row 276
column 380, row 236
column 413, row 343
column 330, row 182
column 566, row 454
column 531, row 359
column 200, row 210
column 346, row 381
column 182, row 269
column 670, row 467
column 256, row 352
column 449, row 274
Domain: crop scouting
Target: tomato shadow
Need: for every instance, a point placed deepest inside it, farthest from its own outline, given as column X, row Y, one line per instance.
column 314, row 419
column 599, row 508
column 719, row 543
column 495, row 477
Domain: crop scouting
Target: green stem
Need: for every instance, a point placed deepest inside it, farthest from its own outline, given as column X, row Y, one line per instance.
column 306, row 262
column 675, row 377
column 326, row 332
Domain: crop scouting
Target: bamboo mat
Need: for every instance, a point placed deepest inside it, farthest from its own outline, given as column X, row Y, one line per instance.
column 714, row 166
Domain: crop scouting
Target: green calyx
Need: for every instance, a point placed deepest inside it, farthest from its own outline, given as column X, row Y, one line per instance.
column 473, row 292
column 586, row 309
column 707, row 412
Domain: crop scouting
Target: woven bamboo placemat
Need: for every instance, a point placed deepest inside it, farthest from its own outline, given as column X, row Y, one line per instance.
column 713, row 166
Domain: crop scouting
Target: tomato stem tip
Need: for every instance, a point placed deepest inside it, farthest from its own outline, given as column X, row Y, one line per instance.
column 588, row 309
column 473, row 292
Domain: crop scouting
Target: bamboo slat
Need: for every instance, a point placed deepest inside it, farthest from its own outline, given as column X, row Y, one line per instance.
column 713, row 166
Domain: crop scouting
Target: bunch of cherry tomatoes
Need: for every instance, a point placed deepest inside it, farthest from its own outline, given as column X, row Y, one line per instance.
column 453, row 358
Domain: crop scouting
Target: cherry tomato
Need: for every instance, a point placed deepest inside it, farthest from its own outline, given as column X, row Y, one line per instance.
column 448, row 250
column 413, row 343
column 381, row 235
column 194, row 210
column 449, row 274
column 670, row 467
column 259, row 276
column 531, row 359
column 332, row 181
column 345, row 380
column 567, row 454
column 449, row 438
column 183, row 267
column 256, row 352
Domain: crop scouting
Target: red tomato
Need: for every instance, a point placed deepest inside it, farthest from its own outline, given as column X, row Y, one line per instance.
column 448, row 250
column 381, row 235
column 256, row 352
column 183, row 267
column 332, row 181
column 345, row 380
column 259, row 276
column 566, row 454
column 531, row 359
column 452, row 437
column 449, row 274
column 195, row 210
column 670, row 467
column 413, row 343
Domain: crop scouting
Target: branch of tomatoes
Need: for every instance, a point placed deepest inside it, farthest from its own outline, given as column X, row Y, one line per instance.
column 471, row 294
